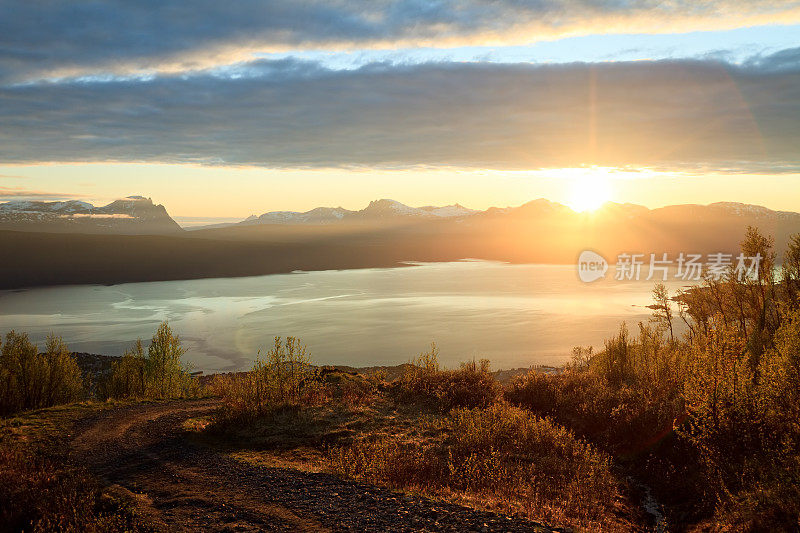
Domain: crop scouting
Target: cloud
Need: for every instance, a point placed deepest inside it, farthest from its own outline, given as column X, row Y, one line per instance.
column 59, row 38
column 98, row 215
column 687, row 114
column 783, row 61
column 8, row 193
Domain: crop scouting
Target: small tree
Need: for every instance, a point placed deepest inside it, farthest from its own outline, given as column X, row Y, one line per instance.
column 286, row 369
column 421, row 370
column 791, row 270
column 17, row 362
column 128, row 378
column 760, row 298
column 284, row 377
column 165, row 373
column 30, row 380
column 662, row 309
column 63, row 381
column 581, row 358
column 158, row 374
column 616, row 363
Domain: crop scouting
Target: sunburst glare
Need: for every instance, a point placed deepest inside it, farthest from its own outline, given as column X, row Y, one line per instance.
column 589, row 192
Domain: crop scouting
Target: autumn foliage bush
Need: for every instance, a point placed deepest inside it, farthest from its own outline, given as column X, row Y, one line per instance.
column 471, row 385
column 284, row 377
column 711, row 421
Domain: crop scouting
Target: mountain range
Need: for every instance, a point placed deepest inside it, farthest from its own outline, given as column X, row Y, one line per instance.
column 383, row 209
column 139, row 215
column 134, row 240
column 537, row 231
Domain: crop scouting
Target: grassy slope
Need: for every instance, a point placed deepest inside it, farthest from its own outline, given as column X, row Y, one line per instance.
column 374, row 438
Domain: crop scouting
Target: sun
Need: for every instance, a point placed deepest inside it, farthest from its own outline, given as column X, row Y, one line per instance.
column 589, row 192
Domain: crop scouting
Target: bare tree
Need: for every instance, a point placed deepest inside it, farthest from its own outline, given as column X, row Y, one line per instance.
column 662, row 308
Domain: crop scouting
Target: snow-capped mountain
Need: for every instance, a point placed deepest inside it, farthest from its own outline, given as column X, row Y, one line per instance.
column 131, row 215
column 386, row 208
column 320, row 215
column 25, row 208
column 449, row 211
column 383, row 209
column 751, row 210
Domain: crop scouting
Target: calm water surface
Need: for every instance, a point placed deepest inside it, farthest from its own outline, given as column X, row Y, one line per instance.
column 515, row 315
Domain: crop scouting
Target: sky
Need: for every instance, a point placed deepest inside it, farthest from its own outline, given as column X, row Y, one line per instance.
column 220, row 110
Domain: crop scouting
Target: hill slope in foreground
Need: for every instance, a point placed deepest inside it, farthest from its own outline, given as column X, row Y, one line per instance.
column 152, row 466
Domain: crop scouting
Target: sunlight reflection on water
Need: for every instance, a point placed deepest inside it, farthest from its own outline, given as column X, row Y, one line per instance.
column 515, row 315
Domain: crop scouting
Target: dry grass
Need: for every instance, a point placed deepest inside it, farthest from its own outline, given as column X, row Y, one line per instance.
column 499, row 458
column 41, row 491
column 308, row 431
column 42, row 427
column 282, row 379
column 623, row 420
column 503, row 457
column 472, row 385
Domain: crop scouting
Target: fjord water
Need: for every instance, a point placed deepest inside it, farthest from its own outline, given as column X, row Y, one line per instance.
column 515, row 315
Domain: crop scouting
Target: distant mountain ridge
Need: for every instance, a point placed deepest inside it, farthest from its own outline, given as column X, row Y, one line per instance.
column 537, row 231
column 130, row 215
column 320, row 215
column 386, row 209
column 383, row 209
column 137, row 215
column 382, row 235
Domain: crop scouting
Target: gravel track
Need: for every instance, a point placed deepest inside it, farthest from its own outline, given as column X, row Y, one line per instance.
column 143, row 451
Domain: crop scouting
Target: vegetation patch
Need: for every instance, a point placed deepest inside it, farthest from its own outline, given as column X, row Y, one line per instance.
column 444, row 433
column 30, row 380
column 472, row 385
column 40, row 491
column 158, row 373
column 508, row 458
column 710, row 421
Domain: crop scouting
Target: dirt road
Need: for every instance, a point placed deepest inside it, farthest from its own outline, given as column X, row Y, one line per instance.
column 181, row 486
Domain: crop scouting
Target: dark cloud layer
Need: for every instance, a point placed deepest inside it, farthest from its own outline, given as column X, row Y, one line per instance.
column 15, row 193
column 38, row 38
column 667, row 114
